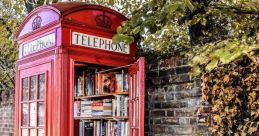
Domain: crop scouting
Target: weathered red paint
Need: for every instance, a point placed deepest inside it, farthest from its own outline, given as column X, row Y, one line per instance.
column 57, row 61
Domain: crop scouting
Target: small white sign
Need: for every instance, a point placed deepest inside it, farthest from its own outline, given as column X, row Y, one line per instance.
column 99, row 43
column 38, row 44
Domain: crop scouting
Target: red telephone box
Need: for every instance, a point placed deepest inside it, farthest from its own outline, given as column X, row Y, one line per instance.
column 59, row 46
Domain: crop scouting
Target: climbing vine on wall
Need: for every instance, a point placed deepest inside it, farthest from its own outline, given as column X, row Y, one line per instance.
column 232, row 91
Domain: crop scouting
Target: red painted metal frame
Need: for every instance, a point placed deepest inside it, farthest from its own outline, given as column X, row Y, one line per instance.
column 58, row 61
column 38, row 69
column 137, row 98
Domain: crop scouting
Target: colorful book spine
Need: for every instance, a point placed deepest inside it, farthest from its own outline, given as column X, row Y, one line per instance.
column 102, row 109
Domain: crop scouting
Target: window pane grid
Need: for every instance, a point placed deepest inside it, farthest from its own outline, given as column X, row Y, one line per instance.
column 33, row 105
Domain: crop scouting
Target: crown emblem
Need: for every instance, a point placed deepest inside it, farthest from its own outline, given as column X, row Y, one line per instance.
column 36, row 23
column 103, row 21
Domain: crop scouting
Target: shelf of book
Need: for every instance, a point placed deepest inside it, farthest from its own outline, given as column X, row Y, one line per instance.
column 101, row 95
column 102, row 118
column 101, row 101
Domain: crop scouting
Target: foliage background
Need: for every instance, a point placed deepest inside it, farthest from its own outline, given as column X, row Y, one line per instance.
column 220, row 37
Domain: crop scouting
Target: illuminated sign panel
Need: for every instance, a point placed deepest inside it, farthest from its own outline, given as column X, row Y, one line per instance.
column 38, row 44
column 99, row 43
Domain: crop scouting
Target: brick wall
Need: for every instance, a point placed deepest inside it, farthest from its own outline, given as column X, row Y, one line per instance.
column 172, row 99
column 7, row 113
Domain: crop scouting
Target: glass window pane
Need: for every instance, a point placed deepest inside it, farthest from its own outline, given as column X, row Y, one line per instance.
column 25, row 132
column 25, row 89
column 33, row 132
column 41, row 114
column 24, row 114
column 42, row 86
column 33, row 88
column 41, row 132
column 33, row 114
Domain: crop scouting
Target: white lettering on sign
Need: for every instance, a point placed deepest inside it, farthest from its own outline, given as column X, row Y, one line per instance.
column 99, row 43
column 38, row 44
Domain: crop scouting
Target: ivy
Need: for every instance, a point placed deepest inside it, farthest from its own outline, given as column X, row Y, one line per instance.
column 232, row 91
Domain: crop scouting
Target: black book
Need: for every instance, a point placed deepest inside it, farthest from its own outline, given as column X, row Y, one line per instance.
column 103, row 128
column 88, row 128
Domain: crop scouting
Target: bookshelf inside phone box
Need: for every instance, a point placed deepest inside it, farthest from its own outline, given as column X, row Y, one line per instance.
column 72, row 80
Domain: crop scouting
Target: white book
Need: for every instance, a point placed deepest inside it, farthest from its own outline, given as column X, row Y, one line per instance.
column 126, row 106
column 114, row 107
column 81, row 128
column 118, row 105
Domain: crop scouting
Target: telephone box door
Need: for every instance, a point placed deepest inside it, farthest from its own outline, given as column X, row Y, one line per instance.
column 137, row 97
column 33, row 101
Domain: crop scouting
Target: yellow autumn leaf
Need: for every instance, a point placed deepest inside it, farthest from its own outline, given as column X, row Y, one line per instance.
column 217, row 118
column 226, row 78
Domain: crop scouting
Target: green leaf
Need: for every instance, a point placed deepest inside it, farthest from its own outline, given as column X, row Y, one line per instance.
column 189, row 4
column 111, row 2
column 136, row 30
column 200, row 59
column 119, row 29
column 203, row 21
column 135, row 20
column 212, row 65
column 195, row 70
column 122, row 38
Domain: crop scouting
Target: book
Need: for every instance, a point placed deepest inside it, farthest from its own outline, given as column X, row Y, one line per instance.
column 77, row 108
column 79, row 86
column 125, row 82
column 88, row 128
column 119, row 82
column 117, row 128
column 103, row 128
column 81, row 128
column 108, row 82
column 89, row 84
column 82, row 78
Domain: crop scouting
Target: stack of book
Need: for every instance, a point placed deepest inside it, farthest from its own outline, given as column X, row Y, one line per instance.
column 105, row 107
column 86, row 108
column 103, row 128
column 102, row 108
column 90, row 82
